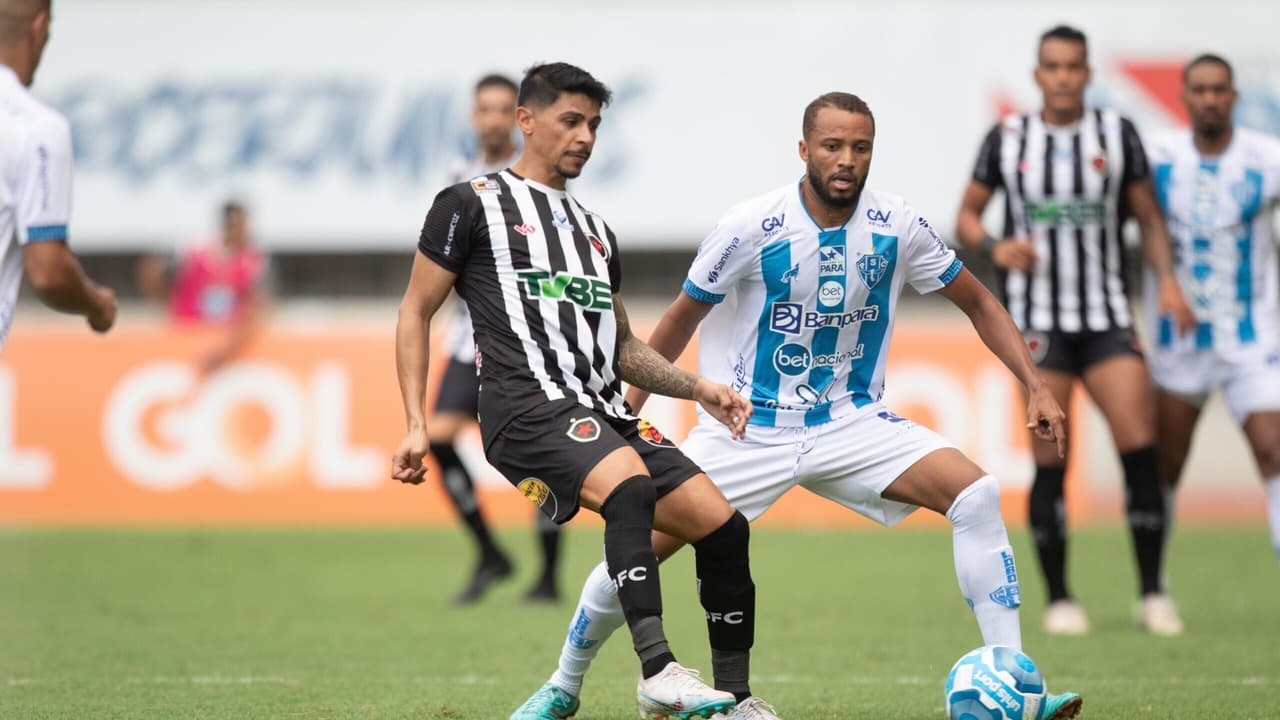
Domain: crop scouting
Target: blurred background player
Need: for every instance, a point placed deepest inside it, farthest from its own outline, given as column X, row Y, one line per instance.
column 35, row 182
column 494, row 118
column 1219, row 186
column 221, row 283
column 1071, row 174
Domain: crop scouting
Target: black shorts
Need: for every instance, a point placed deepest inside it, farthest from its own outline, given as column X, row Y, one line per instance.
column 1073, row 353
column 547, row 453
column 459, row 390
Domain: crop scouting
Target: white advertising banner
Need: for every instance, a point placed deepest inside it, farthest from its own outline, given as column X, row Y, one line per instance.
column 336, row 121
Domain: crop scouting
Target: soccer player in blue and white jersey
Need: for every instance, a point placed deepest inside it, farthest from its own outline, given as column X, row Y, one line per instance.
column 798, row 289
column 1219, row 186
column 35, row 182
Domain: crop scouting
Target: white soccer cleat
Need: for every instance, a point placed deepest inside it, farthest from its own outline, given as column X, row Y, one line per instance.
column 678, row 692
column 1065, row 617
column 753, row 708
column 1159, row 616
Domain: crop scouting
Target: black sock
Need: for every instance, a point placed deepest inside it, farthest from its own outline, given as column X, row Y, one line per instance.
column 549, row 535
column 457, row 483
column 1145, row 507
column 1048, row 528
column 728, row 596
column 628, row 552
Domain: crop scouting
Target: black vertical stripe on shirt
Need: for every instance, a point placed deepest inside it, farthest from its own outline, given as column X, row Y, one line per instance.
column 1106, row 238
column 522, row 260
column 585, row 256
column 1051, row 232
column 1077, row 190
column 566, row 313
column 606, row 238
column 1025, row 320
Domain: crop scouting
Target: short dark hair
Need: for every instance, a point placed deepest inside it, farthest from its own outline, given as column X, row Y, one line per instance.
column 1063, row 32
column 496, row 80
column 838, row 100
column 1208, row 59
column 231, row 208
column 544, row 84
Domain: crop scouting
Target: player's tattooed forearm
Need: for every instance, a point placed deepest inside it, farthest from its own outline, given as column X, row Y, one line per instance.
column 645, row 368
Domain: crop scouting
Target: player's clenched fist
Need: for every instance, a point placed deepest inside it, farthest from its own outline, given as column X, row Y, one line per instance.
column 406, row 464
column 724, row 405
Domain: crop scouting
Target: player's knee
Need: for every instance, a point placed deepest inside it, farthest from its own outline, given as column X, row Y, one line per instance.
column 976, row 504
column 1267, row 455
column 630, row 505
column 726, row 548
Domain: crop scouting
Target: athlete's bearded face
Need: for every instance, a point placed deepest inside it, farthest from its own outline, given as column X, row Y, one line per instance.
column 1209, row 96
column 837, row 153
column 494, row 117
column 561, row 135
column 1062, row 74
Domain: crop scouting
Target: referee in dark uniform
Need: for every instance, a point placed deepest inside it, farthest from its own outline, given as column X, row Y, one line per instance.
column 1071, row 175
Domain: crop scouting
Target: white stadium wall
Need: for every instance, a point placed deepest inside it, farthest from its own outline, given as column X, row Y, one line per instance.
column 338, row 119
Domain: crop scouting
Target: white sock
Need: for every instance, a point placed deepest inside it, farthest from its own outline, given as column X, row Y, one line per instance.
column 1273, row 510
column 984, row 563
column 598, row 614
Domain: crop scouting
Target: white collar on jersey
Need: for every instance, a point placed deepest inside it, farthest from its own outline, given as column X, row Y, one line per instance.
column 553, row 192
column 8, row 73
column 812, row 219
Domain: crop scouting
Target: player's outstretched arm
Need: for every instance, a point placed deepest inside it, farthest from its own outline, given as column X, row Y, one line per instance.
column 999, row 333
column 672, row 336
column 429, row 284
column 60, row 283
column 645, row 368
column 1158, row 251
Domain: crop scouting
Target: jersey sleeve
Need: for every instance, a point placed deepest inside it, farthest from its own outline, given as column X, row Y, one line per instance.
column 931, row 264
column 43, row 195
column 721, row 262
column 1136, row 167
column 447, row 232
column 986, row 170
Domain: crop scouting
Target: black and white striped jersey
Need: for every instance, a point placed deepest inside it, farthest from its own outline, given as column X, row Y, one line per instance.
column 1064, row 191
column 538, row 273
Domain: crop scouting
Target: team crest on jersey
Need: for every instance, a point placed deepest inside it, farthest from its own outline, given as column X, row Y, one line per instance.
column 584, row 430
column 1099, row 164
column 599, row 246
column 1037, row 345
column 651, row 434
column 1246, row 194
column 483, row 185
column 871, row 268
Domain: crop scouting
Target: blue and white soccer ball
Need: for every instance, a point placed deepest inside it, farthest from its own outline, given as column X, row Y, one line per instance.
column 994, row 683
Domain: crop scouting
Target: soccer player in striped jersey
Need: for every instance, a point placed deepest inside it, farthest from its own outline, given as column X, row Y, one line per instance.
column 1071, row 174
column 795, row 292
column 493, row 116
column 1219, row 187
column 541, row 276
column 35, row 182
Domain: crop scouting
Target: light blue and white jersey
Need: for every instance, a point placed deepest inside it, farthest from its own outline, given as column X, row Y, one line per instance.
column 1221, row 214
column 804, row 313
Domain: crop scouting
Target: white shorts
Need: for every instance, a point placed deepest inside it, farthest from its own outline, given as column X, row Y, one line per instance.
column 850, row 460
column 1250, row 379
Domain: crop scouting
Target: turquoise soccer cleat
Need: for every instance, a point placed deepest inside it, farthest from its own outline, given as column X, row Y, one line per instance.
column 548, row 703
column 1062, row 706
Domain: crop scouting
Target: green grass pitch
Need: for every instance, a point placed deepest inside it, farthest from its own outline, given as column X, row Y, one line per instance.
column 329, row 624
